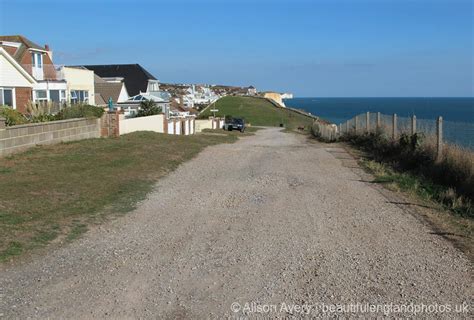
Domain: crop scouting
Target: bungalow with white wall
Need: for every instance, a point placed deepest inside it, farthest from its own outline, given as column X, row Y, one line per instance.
column 49, row 85
column 16, row 84
column 80, row 84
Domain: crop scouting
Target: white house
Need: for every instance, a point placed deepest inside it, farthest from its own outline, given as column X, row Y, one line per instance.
column 16, row 84
column 80, row 85
column 110, row 88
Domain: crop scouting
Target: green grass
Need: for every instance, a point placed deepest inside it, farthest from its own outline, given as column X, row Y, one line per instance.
column 417, row 185
column 55, row 192
column 258, row 112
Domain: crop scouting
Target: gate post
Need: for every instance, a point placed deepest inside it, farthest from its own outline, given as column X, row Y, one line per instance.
column 367, row 125
column 394, row 126
column 413, row 124
column 439, row 136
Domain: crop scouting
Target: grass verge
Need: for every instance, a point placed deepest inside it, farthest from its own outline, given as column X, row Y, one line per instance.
column 448, row 179
column 258, row 112
column 448, row 221
column 52, row 193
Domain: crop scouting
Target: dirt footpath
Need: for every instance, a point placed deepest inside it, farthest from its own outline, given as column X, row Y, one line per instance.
column 269, row 226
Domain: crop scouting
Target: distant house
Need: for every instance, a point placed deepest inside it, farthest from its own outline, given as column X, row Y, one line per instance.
column 139, row 83
column 37, row 62
column 16, row 85
column 106, row 88
column 80, row 85
column 137, row 80
column 251, row 91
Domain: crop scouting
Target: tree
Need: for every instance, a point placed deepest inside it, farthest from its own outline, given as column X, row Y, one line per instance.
column 148, row 108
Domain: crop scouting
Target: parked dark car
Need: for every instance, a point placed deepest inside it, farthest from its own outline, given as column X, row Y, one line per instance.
column 235, row 124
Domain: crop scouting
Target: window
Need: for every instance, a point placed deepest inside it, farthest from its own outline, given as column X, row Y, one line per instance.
column 40, row 95
column 79, row 96
column 37, row 59
column 57, row 95
column 6, row 97
column 54, row 95
column 153, row 86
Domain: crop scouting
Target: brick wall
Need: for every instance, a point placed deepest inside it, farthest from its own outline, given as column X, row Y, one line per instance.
column 23, row 95
column 19, row 138
column 110, row 124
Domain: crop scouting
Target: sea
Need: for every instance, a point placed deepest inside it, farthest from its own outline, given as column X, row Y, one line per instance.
column 457, row 113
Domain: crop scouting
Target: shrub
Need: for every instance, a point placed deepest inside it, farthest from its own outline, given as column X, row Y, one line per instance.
column 417, row 154
column 148, row 108
column 80, row 111
column 12, row 116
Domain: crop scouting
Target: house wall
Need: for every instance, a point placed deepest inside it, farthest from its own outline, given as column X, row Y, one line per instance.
column 23, row 95
column 80, row 79
column 11, row 76
column 123, row 96
column 151, row 123
column 19, row 138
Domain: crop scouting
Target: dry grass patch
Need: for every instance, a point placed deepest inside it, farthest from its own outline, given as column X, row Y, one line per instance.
column 54, row 192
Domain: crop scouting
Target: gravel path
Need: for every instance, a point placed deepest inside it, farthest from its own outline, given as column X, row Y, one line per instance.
column 271, row 222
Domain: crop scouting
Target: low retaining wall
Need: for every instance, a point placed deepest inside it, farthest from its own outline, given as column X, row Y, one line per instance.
column 19, row 138
column 211, row 123
column 151, row 123
column 203, row 124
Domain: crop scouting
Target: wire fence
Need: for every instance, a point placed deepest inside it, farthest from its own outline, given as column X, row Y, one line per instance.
column 457, row 133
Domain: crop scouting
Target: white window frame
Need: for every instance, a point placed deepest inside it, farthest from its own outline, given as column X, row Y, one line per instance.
column 35, row 97
column 62, row 96
column 74, row 97
column 13, row 96
column 37, row 59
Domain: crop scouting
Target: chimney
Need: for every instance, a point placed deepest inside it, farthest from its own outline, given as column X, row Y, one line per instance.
column 50, row 53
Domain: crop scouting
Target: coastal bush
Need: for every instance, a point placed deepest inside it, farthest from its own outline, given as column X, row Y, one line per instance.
column 450, row 176
column 80, row 111
column 12, row 116
column 148, row 108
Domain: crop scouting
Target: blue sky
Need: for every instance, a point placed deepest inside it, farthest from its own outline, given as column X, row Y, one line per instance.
column 326, row 48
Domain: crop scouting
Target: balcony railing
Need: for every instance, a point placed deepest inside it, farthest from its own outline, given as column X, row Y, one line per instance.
column 46, row 72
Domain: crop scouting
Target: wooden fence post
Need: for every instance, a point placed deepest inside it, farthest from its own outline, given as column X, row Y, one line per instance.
column 394, row 126
column 439, row 136
column 367, row 119
column 356, row 124
column 347, row 126
column 413, row 124
column 378, row 120
column 340, row 129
